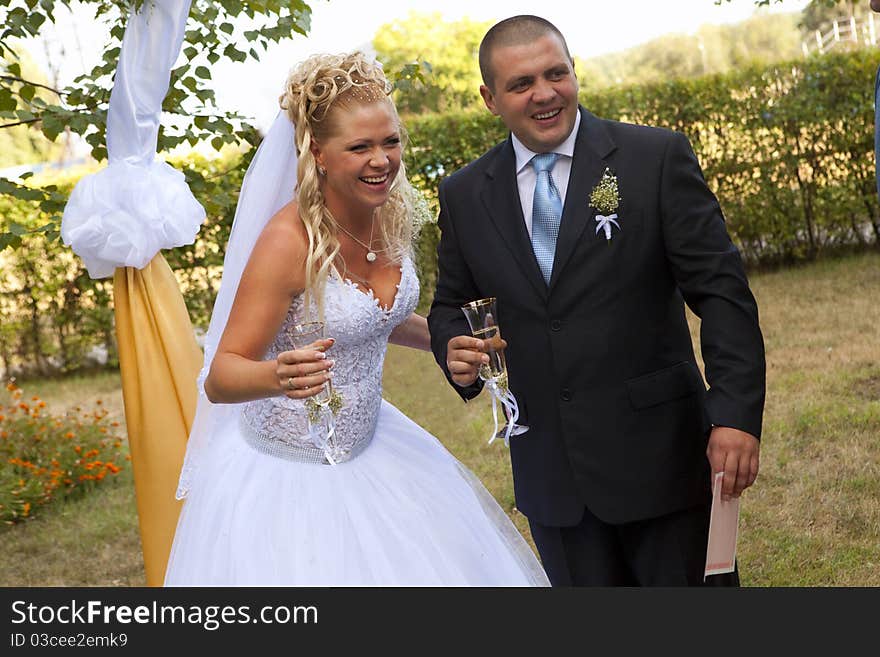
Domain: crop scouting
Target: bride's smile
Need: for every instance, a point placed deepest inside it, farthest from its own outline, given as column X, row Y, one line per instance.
column 361, row 160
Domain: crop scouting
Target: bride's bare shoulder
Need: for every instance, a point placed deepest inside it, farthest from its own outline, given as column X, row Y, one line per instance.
column 280, row 253
column 284, row 235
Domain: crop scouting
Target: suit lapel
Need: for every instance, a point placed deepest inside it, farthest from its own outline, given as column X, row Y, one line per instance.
column 592, row 146
column 500, row 197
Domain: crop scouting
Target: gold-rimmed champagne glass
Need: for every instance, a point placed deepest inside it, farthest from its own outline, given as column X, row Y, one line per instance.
column 304, row 336
column 482, row 317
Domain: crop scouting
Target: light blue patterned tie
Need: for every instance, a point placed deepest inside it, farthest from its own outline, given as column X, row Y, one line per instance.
column 546, row 213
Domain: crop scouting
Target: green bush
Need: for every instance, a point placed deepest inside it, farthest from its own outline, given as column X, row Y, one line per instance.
column 45, row 458
column 53, row 316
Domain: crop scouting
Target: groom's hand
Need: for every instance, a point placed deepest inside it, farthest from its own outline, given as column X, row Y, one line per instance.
column 735, row 453
column 464, row 355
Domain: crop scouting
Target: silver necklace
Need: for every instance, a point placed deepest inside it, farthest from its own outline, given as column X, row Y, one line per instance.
column 371, row 255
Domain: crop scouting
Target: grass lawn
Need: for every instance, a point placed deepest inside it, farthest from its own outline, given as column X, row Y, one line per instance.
column 812, row 518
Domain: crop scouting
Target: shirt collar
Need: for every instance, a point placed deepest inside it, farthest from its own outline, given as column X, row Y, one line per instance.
column 524, row 155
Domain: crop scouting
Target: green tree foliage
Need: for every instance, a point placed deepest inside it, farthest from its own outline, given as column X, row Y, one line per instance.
column 819, row 14
column 450, row 47
column 25, row 144
column 213, row 33
column 712, row 49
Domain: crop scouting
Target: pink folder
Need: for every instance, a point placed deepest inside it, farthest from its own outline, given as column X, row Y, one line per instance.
column 723, row 530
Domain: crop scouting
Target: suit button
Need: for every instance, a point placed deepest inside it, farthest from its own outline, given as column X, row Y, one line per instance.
column 565, row 395
column 555, row 325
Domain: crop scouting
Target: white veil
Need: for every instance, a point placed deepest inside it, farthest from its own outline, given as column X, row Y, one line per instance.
column 269, row 184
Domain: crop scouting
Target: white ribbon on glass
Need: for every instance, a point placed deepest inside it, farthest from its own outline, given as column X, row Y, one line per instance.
column 503, row 396
column 323, row 440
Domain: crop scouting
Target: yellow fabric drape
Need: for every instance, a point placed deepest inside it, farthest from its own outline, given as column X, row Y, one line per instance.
column 159, row 360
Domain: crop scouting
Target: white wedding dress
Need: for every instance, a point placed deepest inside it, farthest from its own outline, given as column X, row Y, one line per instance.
column 397, row 509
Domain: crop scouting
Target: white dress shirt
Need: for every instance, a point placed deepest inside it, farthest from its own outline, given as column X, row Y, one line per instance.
column 525, row 173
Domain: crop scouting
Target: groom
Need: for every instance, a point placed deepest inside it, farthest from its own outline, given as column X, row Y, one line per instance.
column 593, row 235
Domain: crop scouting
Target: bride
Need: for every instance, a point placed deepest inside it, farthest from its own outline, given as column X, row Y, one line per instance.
column 282, row 491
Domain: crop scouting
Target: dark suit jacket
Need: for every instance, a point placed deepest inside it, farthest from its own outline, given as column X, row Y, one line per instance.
column 877, row 130
column 601, row 360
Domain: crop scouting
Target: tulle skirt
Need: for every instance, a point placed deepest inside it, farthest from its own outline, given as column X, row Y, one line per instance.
column 404, row 512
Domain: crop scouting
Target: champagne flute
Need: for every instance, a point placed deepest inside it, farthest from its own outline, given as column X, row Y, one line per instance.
column 304, row 336
column 482, row 317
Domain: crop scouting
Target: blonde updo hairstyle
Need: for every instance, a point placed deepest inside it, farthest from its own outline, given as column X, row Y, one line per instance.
column 316, row 96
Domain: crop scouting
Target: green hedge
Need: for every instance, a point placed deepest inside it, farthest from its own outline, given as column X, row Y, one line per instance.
column 788, row 149
column 53, row 316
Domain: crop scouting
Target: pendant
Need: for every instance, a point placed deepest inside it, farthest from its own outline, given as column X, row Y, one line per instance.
column 371, row 257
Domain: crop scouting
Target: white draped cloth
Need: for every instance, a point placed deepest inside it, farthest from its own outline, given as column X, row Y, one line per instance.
column 123, row 215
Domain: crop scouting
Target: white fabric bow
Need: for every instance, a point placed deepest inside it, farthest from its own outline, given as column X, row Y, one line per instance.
column 604, row 223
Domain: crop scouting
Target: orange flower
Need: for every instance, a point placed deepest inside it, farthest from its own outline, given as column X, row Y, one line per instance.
column 2, row 417
column 35, row 398
column 3, row 434
column 26, row 508
column 69, row 435
column 112, row 424
column 11, row 386
column 23, row 406
column 42, row 404
column 77, row 449
column 98, row 402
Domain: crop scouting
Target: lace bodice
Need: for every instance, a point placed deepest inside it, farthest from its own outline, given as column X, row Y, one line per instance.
column 361, row 328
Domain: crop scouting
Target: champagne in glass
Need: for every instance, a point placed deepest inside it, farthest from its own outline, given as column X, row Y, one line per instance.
column 492, row 336
column 482, row 318
column 304, row 336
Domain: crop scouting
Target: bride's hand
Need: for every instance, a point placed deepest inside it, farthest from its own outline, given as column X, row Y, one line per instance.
column 303, row 372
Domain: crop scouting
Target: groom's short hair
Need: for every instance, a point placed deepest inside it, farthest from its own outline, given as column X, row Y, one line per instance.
column 514, row 31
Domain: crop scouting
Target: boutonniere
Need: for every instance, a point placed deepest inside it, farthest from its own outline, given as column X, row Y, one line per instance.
column 606, row 199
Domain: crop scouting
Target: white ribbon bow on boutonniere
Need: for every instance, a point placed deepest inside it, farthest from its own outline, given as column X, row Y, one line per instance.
column 606, row 199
